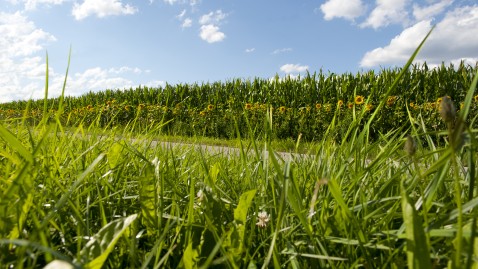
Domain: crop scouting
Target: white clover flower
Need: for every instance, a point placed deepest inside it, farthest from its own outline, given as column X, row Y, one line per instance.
column 263, row 218
column 200, row 195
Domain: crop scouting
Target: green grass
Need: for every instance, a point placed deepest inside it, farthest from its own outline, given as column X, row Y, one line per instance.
column 93, row 197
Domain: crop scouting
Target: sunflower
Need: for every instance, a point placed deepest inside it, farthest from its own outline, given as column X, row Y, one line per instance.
column 202, row 113
column 248, row 106
column 127, row 107
column 282, row 109
column 210, row 107
column 340, row 103
column 350, row 105
column 368, row 107
column 476, row 98
column 359, row 99
column 318, row 106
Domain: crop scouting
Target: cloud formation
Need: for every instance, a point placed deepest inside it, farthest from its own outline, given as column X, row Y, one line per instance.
column 209, row 30
column 23, row 67
column 20, row 41
column 293, row 68
column 101, row 8
column 212, row 17
column 454, row 38
column 283, row 50
column 427, row 12
column 32, row 4
column 347, row 9
column 211, row 33
column 387, row 12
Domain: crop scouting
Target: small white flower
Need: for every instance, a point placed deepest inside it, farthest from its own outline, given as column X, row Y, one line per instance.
column 263, row 218
column 156, row 162
column 200, row 195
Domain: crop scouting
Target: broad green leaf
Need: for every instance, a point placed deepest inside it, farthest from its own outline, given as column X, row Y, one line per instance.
column 190, row 257
column 95, row 252
column 245, row 201
column 114, row 154
column 418, row 254
column 15, row 144
column 214, row 172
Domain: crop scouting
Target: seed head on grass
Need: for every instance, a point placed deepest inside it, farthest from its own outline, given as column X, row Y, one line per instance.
column 263, row 218
column 447, row 109
column 410, row 145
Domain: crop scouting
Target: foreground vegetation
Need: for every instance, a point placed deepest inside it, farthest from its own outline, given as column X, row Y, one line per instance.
column 71, row 197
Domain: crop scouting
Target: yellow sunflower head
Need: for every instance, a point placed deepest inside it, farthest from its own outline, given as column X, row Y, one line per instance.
column 359, row 99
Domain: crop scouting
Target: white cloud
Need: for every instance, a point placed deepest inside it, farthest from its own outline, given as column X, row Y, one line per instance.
column 20, row 42
column 293, row 68
column 101, row 8
column 250, row 50
column 22, row 67
column 454, row 38
column 32, row 4
column 96, row 79
column 427, row 12
column 213, row 17
column 400, row 48
column 347, row 9
column 387, row 12
column 155, row 83
column 277, row 51
column 171, row 2
column 187, row 23
column 181, row 15
column 125, row 69
column 211, row 33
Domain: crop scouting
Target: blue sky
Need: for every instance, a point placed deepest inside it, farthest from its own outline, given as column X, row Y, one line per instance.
column 125, row 43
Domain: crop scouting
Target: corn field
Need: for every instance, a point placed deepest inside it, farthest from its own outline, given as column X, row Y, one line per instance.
column 302, row 106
